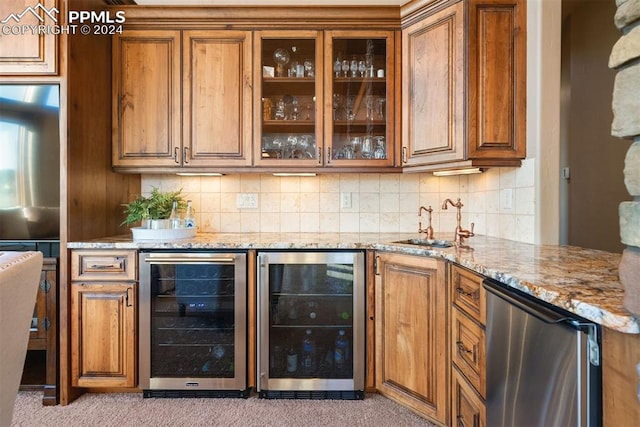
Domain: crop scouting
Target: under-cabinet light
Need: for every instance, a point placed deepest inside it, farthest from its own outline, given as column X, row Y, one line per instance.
column 199, row 174
column 294, row 174
column 451, row 172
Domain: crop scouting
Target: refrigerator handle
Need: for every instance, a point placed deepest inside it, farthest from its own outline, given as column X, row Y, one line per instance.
column 537, row 310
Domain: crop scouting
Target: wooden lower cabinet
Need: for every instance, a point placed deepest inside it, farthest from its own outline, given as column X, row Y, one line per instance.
column 412, row 358
column 468, row 348
column 467, row 408
column 103, row 334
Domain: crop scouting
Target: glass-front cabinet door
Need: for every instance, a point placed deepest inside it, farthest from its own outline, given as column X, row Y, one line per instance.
column 288, row 118
column 359, row 98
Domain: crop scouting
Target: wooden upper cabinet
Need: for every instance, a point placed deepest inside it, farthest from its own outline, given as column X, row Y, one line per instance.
column 464, row 86
column 497, row 79
column 146, row 105
column 433, row 88
column 216, row 91
column 182, row 99
column 28, row 53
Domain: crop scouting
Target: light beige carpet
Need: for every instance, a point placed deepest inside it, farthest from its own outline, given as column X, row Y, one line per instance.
column 131, row 409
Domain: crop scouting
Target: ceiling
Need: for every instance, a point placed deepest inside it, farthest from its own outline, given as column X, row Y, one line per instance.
column 271, row 2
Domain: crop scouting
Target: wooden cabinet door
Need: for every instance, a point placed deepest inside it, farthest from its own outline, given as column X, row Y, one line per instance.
column 146, row 108
column 26, row 52
column 497, row 79
column 103, row 334
column 412, row 362
column 433, row 89
column 217, row 95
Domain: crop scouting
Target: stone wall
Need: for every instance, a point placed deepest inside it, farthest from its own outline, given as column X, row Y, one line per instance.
column 625, row 59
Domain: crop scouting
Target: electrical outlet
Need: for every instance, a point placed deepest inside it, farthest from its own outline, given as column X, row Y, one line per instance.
column 247, row 201
column 345, row 200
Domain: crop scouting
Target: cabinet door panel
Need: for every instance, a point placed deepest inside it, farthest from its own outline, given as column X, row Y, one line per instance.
column 217, row 98
column 28, row 52
column 412, row 361
column 103, row 335
column 146, row 111
column 433, row 90
column 497, row 67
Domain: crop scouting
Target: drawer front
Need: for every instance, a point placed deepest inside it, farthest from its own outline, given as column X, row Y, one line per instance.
column 103, row 265
column 468, row 293
column 468, row 350
column 467, row 409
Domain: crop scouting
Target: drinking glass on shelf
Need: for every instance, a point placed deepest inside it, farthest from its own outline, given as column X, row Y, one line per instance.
column 369, row 102
column 356, row 143
column 337, row 102
column 345, row 67
column 348, row 106
column 380, row 151
column 381, row 105
column 367, row 148
column 309, row 70
column 337, row 67
column 362, row 68
column 354, row 67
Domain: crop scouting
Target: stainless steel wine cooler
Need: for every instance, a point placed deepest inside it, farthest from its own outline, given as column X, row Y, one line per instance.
column 311, row 325
column 193, row 324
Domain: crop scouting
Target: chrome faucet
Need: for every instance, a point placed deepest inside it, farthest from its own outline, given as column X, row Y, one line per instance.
column 459, row 234
column 429, row 229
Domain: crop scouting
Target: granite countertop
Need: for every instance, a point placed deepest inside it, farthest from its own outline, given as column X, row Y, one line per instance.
column 581, row 281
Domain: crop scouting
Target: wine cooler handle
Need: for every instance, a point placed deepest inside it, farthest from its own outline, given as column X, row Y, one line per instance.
column 192, row 260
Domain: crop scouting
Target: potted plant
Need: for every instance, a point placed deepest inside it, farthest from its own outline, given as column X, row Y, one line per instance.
column 156, row 207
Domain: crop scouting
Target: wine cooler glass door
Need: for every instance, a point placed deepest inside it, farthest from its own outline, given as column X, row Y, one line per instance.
column 311, row 321
column 193, row 321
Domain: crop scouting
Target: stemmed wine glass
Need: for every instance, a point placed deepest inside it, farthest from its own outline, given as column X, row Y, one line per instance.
column 345, row 67
column 337, row 67
column 362, row 67
column 354, row 67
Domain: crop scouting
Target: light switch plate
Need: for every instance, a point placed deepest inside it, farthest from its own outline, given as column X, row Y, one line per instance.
column 247, row 201
column 506, row 199
column 345, row 200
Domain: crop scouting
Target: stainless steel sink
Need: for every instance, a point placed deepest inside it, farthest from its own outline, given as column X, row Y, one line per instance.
column 434, row 243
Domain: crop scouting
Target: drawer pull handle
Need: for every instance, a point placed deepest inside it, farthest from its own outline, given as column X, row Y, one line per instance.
column 462, row 349
column 475, row 295
column 102, row 266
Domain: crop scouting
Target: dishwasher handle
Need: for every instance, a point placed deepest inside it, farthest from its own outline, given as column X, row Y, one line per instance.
column 536, row 309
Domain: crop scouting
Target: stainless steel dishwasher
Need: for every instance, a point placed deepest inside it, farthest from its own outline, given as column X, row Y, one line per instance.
column 543, row 363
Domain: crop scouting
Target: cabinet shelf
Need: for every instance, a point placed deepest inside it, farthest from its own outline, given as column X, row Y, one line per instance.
column 289, row 123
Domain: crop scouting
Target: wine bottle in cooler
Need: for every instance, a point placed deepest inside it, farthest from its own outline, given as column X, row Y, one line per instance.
column 341, row 354
column 308, row 353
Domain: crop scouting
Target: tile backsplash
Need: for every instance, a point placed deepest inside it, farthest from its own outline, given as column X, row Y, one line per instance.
column 500, row 201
